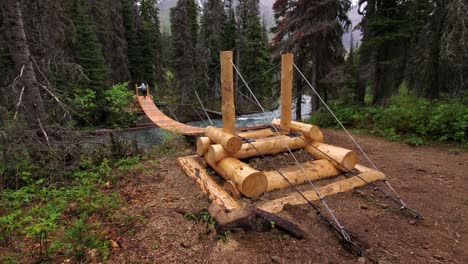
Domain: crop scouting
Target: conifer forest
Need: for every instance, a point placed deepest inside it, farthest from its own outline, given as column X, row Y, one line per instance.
column 102, row 101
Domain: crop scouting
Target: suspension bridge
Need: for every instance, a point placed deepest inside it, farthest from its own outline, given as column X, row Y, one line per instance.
column 225, row 150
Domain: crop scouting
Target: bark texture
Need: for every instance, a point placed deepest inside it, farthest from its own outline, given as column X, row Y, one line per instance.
column 16, row 38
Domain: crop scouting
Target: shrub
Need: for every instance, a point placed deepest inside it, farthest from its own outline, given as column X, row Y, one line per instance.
column 118, row 101
column 405, row 118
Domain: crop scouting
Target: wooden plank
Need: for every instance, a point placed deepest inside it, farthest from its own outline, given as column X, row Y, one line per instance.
column 369, row 175
column 198, row 173
column 286, row 91
column 227, row 92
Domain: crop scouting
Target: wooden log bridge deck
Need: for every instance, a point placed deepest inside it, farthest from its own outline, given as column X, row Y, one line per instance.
column 165, row 122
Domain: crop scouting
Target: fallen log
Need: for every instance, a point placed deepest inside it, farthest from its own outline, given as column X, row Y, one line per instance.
column 343, row 159
column 230, row 142
column 251, row 218
column 249, row 181
column 314, row 170
column 266, row 146
column 309, row 131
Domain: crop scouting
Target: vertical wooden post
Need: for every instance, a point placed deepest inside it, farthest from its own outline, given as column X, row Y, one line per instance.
column 227, row 92
column 136, row 89
column 286, row 91
column 148, row 90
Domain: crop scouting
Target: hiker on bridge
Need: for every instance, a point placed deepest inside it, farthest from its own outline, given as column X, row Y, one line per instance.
column 143, row 89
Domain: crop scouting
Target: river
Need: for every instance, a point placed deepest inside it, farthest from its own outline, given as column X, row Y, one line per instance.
column 147, row 137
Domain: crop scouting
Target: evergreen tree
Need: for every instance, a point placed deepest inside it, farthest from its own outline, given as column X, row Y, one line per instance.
column 5, row 60
column 88, row 91
column 254, row 49
column 149, row 43
column 313, row 30
column 388, row 27
column 438, row 62
column 88, row 49
column 184, row 28
column 210, row 45
column 129, row 12
column 230, row 28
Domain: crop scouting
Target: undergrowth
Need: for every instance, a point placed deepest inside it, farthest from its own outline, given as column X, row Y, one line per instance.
column 406, row 118
column 57, row 202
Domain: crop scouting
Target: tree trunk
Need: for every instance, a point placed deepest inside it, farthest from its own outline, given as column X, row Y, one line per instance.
column 299, row 88
column 360, row 87
column 16, row 38
column 314, row 100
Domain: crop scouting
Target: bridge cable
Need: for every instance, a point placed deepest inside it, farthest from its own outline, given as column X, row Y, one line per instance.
column 402, row 203
column 343, row 234
column 206, row 113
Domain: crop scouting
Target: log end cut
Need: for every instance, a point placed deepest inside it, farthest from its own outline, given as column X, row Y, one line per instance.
column 254, row 185
column 234, row 144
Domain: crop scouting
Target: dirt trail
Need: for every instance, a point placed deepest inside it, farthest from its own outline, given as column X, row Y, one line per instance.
column 432, row 180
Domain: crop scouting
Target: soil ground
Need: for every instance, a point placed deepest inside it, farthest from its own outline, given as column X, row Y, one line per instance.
column 432, row 179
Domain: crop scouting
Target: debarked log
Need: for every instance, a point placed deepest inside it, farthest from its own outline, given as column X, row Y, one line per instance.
column 260, row 133
column 203, row 144
column 366, row 176
column 266, row 146
column 313, row 170
column 249, row 181
column 343, row 159
column 230, row 142
column 309, row 131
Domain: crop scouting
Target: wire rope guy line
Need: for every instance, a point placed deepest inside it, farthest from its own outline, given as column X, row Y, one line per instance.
column 402, row 203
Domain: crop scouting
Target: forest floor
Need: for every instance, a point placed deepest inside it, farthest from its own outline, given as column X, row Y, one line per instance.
column 432, row 179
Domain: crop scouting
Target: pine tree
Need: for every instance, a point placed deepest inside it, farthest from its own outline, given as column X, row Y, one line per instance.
column 5, row 59
column 129, row 12
column 88, row 49
column 107, row 18
column 313, row 30
column 184, row 28
column 254, row 49
column 94, row 80
column 149, row 43
column 210, row 45
column 230, row 28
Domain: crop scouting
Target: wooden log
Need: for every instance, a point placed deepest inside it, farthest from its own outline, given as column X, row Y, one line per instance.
column 266, row 146
column 286, row 91
column 203, row 143
column 342, row 159
column 231, row 188
column 314, row 170
column 198, row 173
column 369, row 175
column 230, row 142
column 251, row 218
column 227, row 92
column 249, row 181
column 261, row 133
column 309, row 131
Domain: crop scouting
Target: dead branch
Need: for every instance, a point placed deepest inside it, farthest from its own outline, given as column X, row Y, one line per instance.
column 19, row 103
